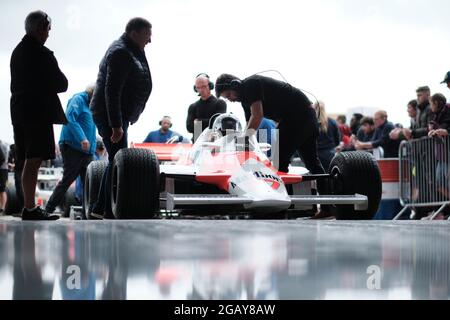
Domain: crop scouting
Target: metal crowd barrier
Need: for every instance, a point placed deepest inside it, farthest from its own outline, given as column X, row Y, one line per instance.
column 424, row 175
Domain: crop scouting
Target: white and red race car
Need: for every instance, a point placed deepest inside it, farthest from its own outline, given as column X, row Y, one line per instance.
column 224, row 171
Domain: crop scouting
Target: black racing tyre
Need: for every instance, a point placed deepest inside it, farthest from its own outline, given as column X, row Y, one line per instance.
column 12, row 201
column 356, row 173
column 92, row 182
column 69, row 201
column 135, row 184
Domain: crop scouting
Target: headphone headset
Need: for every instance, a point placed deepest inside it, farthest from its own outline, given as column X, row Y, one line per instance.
column 210, row 84
column 166, row 117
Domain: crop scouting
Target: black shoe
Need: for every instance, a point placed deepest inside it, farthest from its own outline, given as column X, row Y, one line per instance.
column 37, row 214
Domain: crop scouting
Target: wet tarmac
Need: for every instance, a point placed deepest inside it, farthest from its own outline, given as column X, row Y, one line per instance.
column 183, row 259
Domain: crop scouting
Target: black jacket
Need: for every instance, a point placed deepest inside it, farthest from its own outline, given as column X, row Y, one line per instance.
column 381, row 139
column 124, row 84
column 203, row 110
column 441, row 119
column 331, row 139
column 36, row 81
column 423, row 118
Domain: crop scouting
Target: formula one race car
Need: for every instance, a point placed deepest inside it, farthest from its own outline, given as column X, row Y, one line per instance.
column 226, row 171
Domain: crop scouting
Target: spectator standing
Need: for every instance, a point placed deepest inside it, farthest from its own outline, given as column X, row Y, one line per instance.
column 439, row 128
column 77, row 145
column 329, row 135
column 406, row 134
column 424, row 114
column 36, row 81
column 440, row 124
column 123, row 87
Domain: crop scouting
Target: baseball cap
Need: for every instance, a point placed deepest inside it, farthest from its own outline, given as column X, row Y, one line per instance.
column 447, row 78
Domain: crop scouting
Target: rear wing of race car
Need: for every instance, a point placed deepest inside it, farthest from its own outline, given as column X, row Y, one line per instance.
column 165, row 152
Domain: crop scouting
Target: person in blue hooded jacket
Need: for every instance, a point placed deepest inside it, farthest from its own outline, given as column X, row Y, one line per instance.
column 77, row 143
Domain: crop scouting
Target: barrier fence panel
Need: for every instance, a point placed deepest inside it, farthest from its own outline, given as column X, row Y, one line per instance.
column 424, row 175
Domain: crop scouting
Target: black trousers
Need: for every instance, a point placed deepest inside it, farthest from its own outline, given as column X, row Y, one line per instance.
column 301, row 137
column 103, row 204
column 75, row 164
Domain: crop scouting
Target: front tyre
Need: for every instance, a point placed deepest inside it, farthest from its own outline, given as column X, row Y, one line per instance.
column 356, row 173
column 135, row 184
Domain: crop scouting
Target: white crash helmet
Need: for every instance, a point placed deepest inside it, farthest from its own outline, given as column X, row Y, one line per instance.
column 227, row 123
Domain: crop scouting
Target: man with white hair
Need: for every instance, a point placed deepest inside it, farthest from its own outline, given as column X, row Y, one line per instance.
column 36, row 81
column 200, row 112
column 77, row 144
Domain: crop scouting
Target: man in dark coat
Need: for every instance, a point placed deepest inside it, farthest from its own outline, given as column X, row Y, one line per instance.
column 123, row 87
column 36, row 81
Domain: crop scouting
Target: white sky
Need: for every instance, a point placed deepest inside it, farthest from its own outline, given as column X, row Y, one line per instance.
column 349, row 53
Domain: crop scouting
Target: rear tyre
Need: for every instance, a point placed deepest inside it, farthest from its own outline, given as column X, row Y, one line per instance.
column 94, row 174
column 135, row 184
column 356, row 173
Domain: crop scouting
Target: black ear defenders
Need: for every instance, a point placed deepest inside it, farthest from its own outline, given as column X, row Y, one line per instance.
column 166, row 117
column 210, row 84
column 234, row 84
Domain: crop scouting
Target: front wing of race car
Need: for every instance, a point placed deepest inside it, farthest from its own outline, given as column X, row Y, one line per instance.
column 179, row 201
column 170, row 200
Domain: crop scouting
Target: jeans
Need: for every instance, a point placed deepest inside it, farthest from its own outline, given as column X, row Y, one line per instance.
column 75, row 164
column 103, row 204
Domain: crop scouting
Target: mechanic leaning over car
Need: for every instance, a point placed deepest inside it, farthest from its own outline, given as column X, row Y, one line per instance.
column 77, row 144
column 200, row 112
column 298, row 124
column 123, row 87
column 36, row 81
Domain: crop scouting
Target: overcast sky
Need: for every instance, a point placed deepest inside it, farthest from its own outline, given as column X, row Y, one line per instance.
column 349, row 53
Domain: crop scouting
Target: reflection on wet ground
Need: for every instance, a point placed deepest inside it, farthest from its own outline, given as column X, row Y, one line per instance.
column 224, row 260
